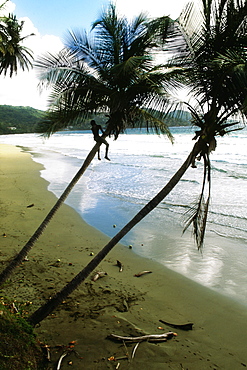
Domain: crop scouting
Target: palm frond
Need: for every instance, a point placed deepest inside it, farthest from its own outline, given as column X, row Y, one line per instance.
column 214, row 53
column 197, row 214
column 111, row 70
column 155, row 121
column 13, row 54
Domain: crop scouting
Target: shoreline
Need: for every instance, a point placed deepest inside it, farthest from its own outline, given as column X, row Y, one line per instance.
column 119, row 303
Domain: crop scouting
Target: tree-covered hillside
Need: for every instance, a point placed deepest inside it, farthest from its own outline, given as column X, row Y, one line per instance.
column 18, row 120
column 178, row 118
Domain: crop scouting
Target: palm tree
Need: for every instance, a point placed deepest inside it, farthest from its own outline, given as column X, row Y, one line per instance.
column 217, row 83
column 214, row 79
column 111, row 72
column 13, row 53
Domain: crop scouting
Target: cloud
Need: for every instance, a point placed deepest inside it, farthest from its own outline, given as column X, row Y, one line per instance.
column 9, row 7
column 22, row 89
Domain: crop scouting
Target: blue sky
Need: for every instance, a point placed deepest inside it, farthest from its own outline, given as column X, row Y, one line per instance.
column 54, row 17
column 50, row 20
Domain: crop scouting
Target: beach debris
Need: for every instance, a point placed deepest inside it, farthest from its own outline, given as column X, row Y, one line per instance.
column 30, row 205
column 61, row 359
column 14, row 308
column 134, row 350
column 113, row 358
column 56, row 264
column 91, row 254
column 67, row 350
column 28, row 303
column 149, row 337
column 46, row 349
column 120, row 265
column 142, row 273
column 4, row 235
column 187, row 326
column 99, row 275
column 118, row 366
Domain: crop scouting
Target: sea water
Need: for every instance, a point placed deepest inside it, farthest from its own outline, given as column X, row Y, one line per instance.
column 110, row 193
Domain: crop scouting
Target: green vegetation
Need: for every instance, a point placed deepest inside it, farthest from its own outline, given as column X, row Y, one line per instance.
column 22, row 120
column 19, row 120
column 178, row 118
column 13, row 54
column 18, row 348
column 173, row 119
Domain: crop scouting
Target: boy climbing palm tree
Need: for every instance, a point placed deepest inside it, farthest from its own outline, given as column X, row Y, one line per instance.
column 96, row 129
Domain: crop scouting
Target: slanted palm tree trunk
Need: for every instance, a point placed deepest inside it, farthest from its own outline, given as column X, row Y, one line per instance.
column 18, row 259
column 52, row 303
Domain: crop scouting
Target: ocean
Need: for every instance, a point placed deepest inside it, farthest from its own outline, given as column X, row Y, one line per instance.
column 110, row 193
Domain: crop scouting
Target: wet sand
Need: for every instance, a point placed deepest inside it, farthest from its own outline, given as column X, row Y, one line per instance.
column 118, row 303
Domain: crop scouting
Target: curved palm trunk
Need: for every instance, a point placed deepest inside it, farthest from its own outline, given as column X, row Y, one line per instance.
column 50, row 305
column 27, row 247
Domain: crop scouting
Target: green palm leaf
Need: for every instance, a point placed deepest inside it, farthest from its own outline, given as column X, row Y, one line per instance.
column 111, row 70
column 211, row 53
column 197, row 214
column 12, row 52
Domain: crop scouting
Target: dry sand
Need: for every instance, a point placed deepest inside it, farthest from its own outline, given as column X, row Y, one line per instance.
column 119, row 303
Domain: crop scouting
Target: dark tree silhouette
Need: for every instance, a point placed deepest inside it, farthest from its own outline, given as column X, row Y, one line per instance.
column 13, row 54
column 213, row 78
column 113, row 72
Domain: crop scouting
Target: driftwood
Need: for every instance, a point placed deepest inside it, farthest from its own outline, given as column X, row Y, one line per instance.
column 15, row 309
column 149, row 338
column 46, row 349
column 142, row 273
column 99, row 275
column 61, row 359
column 30, row 205
column 187, row 326
column 134, row 350
column 120, row 265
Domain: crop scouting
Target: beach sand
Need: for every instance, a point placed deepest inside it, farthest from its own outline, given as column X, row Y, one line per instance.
column 118, row 303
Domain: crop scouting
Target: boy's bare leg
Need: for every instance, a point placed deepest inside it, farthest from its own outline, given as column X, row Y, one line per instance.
column 106, row 152
column 99, row 155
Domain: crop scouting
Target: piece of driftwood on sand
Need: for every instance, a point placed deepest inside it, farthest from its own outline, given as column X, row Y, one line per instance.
column 149, row 338
column 99, row 275
column 61, row 359
column 187, row 326
column 142, row 273
column 134, row 350
column 120, row 265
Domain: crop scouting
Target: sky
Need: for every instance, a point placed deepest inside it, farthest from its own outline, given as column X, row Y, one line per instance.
column 50, row 20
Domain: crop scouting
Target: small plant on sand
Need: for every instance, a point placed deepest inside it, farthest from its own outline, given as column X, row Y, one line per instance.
column 18, row 347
